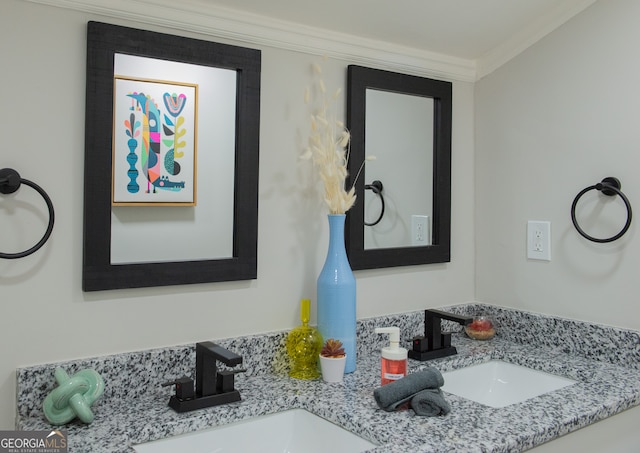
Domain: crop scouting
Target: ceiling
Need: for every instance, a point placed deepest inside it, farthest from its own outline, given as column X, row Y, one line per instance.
column 467, row 29
column 452, row 39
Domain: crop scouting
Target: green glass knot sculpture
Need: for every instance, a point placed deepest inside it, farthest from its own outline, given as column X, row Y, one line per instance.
column 73, row 397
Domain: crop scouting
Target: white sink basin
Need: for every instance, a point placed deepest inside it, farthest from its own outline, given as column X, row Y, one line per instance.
column 499, row 384
column 292, row 431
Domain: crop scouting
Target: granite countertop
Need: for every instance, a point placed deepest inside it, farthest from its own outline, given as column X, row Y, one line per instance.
column 604, row 388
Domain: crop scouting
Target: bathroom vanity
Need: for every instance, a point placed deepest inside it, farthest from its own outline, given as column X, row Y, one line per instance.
column 604, row 362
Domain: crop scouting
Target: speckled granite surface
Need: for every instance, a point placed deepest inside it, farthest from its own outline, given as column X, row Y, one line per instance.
column 605, row 361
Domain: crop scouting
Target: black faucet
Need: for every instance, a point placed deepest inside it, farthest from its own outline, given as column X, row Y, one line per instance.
column 435, row 344
column 213, row 387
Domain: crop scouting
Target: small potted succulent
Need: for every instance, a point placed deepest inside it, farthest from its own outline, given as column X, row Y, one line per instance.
column 332, row 360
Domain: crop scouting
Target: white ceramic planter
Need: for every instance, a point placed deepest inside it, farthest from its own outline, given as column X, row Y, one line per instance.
column 332, row 368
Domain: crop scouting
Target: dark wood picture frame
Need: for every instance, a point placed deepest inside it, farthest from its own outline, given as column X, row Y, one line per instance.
column 358, row 80
column 103, row 42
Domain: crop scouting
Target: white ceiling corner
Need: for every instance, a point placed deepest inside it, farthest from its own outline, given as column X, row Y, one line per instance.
column 450, row 39
column 529, row 35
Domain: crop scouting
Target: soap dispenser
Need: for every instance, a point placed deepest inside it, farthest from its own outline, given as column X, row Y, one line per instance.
column 303, row 346
column 394, row 358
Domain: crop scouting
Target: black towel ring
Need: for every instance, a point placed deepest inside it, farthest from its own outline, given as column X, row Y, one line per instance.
column 376, row 187
column 10, row 182
column 609, row 186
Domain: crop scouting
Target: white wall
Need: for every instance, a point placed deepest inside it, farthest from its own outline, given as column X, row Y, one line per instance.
column 45, row 315
column 558, row 118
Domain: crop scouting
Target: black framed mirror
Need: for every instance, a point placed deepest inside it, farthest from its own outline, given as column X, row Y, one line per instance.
column 158, row 240
column 408, row 120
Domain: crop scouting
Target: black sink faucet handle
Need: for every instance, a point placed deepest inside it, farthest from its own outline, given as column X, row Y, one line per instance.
column 184, row 387
column 225, row 380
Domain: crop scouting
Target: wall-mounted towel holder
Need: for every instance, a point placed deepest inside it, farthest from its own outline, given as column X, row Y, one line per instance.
column 376, row 187
column 609, row 186
column 10, row 182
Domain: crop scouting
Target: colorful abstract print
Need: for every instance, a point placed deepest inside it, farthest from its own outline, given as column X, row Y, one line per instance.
column 156, row 139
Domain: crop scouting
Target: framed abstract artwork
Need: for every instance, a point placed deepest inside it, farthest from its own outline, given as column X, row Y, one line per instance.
column 154, row 142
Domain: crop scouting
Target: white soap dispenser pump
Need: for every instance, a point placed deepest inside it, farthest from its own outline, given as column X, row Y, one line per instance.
column 394, row 358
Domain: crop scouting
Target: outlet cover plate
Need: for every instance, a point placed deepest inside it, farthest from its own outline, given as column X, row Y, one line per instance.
column 539, row 240
column 420, row 230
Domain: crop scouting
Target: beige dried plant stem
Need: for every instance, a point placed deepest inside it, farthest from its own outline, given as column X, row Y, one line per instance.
column 328, row 147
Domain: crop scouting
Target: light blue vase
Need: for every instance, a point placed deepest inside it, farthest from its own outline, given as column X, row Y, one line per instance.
column 337, row 294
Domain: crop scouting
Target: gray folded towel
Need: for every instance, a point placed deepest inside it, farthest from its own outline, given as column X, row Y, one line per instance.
column 394, row 394
column 430, row 403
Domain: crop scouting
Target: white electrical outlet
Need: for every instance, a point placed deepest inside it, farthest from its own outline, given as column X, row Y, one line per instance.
column 539, row 240
column 420, row 230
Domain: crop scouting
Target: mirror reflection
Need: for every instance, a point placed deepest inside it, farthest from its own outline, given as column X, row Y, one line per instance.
column 203, row 230
column 399, row 127
column 405, row 121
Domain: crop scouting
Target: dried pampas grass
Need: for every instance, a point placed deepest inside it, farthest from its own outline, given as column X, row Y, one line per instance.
column 328, row 148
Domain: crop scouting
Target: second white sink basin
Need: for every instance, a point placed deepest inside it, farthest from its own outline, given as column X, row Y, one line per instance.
column 499, row 384
column 292, row 431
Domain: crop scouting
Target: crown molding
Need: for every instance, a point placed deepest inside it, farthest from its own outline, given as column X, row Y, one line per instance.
column 257, row 30
column 254, row 30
